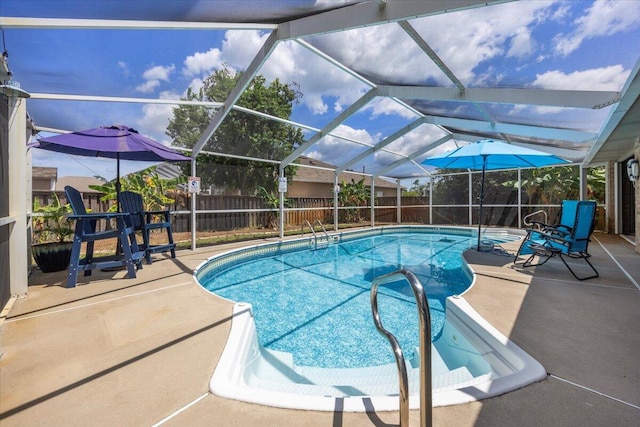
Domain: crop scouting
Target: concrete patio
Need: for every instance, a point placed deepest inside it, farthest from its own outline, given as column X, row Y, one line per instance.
column 141, row 352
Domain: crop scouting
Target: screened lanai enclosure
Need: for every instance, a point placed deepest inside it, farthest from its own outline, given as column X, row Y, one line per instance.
column 297, row 111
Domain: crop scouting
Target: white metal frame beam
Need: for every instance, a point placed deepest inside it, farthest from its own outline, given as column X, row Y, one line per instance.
column 539, row 97
column 631, row 92
column 413, row 156
column 371, row 13
column 344, row 115
column 388, row 140
column 111, row 24
column 523, row 130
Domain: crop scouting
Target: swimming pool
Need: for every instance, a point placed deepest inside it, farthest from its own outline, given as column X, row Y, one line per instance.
column 311, row 356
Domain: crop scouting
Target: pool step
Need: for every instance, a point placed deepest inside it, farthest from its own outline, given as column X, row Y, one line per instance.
column 276, row 371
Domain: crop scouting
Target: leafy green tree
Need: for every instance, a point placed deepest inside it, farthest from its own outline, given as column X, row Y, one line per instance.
column 272, row 199
column 239, row 133
column 553, row 184
column 155, row 191
column 416, row 190
column 353, row 194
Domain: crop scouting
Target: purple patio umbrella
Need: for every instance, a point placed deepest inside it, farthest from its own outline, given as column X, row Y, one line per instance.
column 114, row 142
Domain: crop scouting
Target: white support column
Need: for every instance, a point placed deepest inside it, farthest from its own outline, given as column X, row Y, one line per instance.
column 336, row 190
column 398, row 202
column 193, row 208
column 617, row 199
column 470, row 175
column 583, row 183
column 19, row 251
column 281, row 202
column 519, row 197
column 431, row 200
column 373, row 203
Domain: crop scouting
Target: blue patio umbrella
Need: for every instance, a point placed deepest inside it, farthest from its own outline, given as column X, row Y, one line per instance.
column 488, row 154
column 115, row 142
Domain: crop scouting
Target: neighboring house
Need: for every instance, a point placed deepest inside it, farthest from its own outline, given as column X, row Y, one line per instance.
column 80, row 183
column 44, row 178
column 317, row 181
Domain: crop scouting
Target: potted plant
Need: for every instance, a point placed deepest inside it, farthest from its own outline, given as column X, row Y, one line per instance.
column 52, row 233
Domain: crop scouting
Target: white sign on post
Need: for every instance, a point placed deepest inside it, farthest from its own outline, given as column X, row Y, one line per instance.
column 194, row 184
column 282, row 184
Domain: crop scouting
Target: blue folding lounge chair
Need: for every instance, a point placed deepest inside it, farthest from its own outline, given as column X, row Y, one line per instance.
column 85, row 231
column 142, row 220
column 573, row 244
column 568, row 213
column 567, row 219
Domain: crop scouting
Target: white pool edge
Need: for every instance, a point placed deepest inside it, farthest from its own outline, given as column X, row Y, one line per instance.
column 227, row 380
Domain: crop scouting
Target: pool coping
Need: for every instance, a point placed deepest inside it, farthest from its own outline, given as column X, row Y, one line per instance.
column 228, row 377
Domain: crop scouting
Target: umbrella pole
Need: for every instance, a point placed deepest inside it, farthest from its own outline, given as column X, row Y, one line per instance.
column 484, row 166
column 118, row 182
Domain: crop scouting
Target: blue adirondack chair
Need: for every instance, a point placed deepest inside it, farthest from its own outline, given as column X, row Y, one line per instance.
column 85, row 231
column 142, row 220
column 573, row 243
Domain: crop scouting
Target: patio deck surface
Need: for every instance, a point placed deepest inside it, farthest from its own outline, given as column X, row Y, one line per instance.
column 141, row 352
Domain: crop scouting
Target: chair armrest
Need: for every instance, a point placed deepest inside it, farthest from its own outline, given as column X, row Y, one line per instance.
column 558, row 238
column 539, row 224
column 559, row 229
column 98, row 215
column 166, row 211
column 150, row 214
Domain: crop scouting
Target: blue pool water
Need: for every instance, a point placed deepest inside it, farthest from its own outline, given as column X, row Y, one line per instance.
column 315, row 303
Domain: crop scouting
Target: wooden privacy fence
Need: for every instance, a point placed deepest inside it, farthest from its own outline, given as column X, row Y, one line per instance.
column 225, row 213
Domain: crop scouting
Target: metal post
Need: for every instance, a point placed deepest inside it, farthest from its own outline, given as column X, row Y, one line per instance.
column 16, row 138
column 398, row 202
column 373, row 198
column 336, row 190
column 193, row 208
column 281, row 203
column 431, row 200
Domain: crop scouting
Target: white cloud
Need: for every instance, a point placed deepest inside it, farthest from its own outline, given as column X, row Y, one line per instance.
column 202, row 63
column 465, row 39
column 335, row 151
column 124, row 67
column 383, row 106
column 240, row 47
column 148, row 86
column 319, row 80
column 521, row 44
column 159, row 73
column 155, row 118
column 606, row 78
column 153, row 76
column 605, row 17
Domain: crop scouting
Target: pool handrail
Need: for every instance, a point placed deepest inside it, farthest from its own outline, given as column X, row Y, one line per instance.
column 422, row 304
column 313, row 231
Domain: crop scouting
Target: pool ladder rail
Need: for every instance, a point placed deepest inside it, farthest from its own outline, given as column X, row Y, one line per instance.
column 426, row 400
column 526, row 222
column 318, row 241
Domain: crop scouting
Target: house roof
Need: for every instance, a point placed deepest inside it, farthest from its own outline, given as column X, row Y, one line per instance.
column 80, row 183
column 42, row 172
column 322, row 172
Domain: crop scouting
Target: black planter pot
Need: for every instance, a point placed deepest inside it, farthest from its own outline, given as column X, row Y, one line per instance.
column 53, row 256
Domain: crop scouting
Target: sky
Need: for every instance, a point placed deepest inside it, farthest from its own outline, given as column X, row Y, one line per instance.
column 570, row 44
